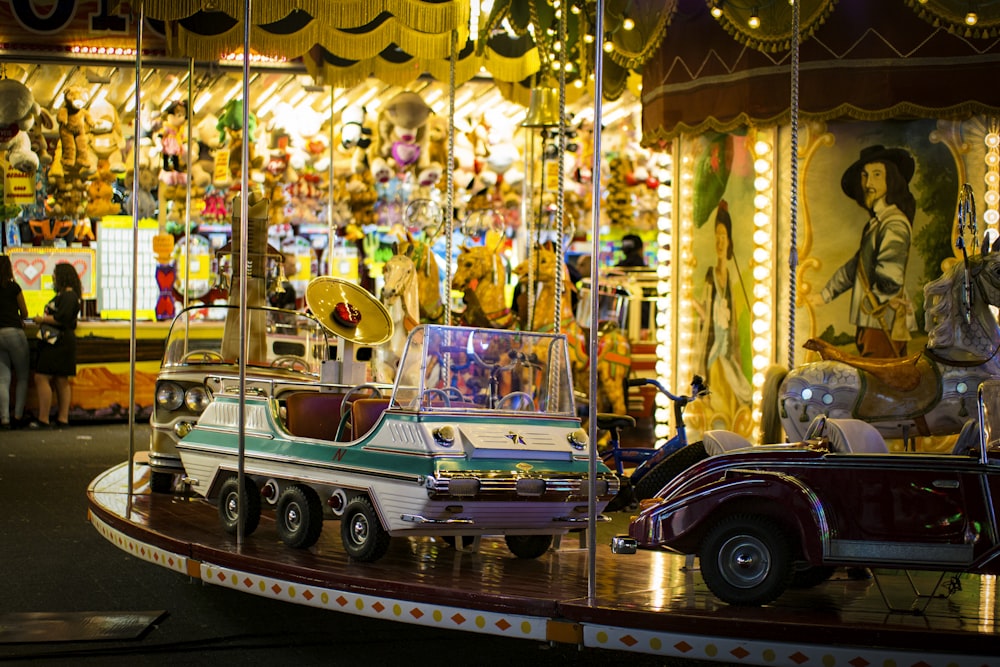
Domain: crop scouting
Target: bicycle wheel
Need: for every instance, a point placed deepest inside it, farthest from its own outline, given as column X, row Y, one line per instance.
column 668, row 468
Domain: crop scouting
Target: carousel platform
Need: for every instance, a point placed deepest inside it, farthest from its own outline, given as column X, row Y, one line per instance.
column 652, row 603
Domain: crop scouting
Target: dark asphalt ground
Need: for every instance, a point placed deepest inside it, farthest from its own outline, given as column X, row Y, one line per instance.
column 52, row 560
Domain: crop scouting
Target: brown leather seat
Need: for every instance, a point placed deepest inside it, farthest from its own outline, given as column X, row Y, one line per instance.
column 365, row 412
column 313, row 414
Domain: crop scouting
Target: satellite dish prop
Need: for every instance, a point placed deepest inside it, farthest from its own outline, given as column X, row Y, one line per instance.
column 356, row 318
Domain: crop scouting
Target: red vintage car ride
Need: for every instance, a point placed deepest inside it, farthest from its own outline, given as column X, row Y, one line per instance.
column 760, row 517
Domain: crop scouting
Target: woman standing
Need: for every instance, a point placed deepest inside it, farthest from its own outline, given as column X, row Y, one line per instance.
column 13, row 346
column 57, row 361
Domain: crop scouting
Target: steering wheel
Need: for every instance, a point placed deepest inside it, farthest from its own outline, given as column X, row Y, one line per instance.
column 291, row 362
column 454, row 393
column 354, row 393
column 430, row 394
column 473, row 349
column 202, row 355
column 519, row 400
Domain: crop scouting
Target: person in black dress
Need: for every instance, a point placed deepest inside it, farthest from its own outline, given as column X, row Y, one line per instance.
column 57, row 361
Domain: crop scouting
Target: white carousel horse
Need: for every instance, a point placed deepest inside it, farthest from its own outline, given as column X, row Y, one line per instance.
column 428, row 278
column 932, row 392
column 400, row 297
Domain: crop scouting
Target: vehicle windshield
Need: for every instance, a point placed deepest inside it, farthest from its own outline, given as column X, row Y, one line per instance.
column 461, row 368
column 278, row 339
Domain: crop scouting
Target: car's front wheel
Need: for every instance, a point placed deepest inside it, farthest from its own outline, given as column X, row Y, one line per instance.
column 746, row 560
column 361, row 532
column 231, row 511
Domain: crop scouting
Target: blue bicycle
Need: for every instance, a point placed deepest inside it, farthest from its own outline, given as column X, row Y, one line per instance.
column 649, row 474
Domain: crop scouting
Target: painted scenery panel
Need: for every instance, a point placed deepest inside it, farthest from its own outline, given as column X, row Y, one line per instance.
column 721, row 284
column 879, row 199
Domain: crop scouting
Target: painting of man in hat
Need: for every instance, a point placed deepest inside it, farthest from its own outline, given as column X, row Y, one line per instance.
column 878, row 181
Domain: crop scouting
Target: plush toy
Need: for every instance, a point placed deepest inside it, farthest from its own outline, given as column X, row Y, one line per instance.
column 17, row 116
column 353, row 133
column 172, row 135
column 402, row 130
column 206, row 135
column 75, row 125
column 106, row 138
column 100, row 194
column 44, row 137
column 230, row 127
column 144, row 196
column 437, row 140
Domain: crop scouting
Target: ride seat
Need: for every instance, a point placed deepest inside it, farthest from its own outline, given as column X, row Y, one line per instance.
column 313, row 414
column 720, row 442
column 365, row 413
column 855, row 436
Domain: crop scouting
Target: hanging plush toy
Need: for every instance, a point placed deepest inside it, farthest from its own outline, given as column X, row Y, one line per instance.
column 106, row 139
column 17, row 116
column 172, row 136
column 230, row 126
column 75, row 125
column 402, row 130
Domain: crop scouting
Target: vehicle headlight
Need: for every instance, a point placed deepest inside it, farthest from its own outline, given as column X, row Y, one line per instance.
column 196, row 399
column 169, row 395
column 578, row 439
column 445, row 436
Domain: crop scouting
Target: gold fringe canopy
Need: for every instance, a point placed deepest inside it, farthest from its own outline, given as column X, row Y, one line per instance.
column 421, row 15
column 775, row 31
column 950, row 14
column 346, row 45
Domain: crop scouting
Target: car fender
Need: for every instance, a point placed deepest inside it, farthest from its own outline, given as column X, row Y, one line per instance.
column 680, row 521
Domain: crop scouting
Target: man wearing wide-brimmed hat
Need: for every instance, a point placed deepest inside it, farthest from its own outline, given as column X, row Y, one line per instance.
column 879, row 182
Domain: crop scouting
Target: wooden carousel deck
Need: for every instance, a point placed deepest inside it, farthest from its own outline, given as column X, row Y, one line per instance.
column 647, row 603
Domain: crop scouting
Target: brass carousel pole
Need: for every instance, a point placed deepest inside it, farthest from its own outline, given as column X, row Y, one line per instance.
column 136, row 129
column 595, row 231
column 244, row 259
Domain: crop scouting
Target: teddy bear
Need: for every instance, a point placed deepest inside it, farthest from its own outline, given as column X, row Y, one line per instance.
column 402, row 130
column 144, row 195
column 106, row 137
column 100, row 194
column 75, row 126
column 18, row 110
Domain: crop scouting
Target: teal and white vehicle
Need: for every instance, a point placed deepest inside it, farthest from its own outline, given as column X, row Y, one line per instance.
column 479, row 436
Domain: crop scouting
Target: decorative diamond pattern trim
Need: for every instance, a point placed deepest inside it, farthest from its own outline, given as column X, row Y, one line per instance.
column 753, row 652
column 155, row 555
column 373, row 606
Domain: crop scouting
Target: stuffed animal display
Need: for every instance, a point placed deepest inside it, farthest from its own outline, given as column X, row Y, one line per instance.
column 18, row 111
column 75, row 126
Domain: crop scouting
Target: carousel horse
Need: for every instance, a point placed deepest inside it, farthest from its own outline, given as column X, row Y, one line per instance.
column 400, row 297
column 543, row 313
column 480, row 274
column 614, row 361
column 428, row 278
column 932, row 392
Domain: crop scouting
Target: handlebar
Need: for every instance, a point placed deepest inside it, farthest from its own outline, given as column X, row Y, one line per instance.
column 698, row 388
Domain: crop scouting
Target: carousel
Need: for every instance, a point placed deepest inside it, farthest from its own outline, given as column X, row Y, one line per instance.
column 443, row 461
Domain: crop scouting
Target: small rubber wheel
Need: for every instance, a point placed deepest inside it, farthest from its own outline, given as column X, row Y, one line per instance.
column 230, row 512
column 528, row 546
column 361, row 532
column 299, row 516
column 746, row 560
